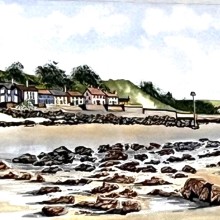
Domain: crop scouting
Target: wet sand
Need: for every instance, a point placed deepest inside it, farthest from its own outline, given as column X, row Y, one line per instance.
column 18, row 140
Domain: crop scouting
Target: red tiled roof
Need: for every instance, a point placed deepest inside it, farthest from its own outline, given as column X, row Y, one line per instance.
column 96, row 91
column 44, row 92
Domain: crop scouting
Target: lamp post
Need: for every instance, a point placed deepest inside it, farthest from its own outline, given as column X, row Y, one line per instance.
column 193, row 94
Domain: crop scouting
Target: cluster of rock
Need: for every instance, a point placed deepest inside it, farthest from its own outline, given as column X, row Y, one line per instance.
column 110, row 198
column 65, row 118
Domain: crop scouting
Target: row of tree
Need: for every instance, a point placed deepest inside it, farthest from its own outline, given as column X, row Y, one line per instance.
column 51, row 76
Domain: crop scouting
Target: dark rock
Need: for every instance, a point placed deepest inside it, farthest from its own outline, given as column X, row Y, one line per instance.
column 211, row 165
column 87, row 158
column 81, row 150
column 120, row 179
column 51, row 211
column 39, row 179
column 137, row 147
column 10, row 175
column 155, row 145
column 180, row 175
column 25, row 158
column 51, row 170
column 147, row 169
column 187, row 157
column 25, row 176
column 47, row 189
column 212, row 154
column 172, row 159
column 115, row 155
column 74, row 182
column 154, row 181
column 141, row 157
column 186, row 146
column 127, row 193
column 154, row 162
column 189, row 169
column 166, row 151
column 85, row 167
column 104, row 188
column 168, row 169
column 61, row 200
column 109, row 163
column 104, row 148
column 129, row 166
column 203, row 139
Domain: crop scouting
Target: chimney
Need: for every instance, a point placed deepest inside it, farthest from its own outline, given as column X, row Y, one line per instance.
column 27, row 83
column 64, row 88
column 12, row 81
column 116, row 93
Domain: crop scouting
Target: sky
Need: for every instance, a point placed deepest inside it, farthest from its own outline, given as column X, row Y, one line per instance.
column 174, row 45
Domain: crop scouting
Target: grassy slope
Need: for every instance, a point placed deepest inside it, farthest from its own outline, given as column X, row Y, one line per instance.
column 126, row 88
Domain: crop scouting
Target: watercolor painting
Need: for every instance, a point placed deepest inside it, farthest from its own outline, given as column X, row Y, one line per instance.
column 109, row 109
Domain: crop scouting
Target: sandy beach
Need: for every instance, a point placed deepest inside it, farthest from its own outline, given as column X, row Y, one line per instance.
column 18, row 140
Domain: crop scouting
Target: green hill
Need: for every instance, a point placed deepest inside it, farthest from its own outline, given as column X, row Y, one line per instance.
column 126, row 88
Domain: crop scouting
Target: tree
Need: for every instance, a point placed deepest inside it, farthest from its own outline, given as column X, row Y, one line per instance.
column 51, row 75
column 15, row 72
column 85, row 75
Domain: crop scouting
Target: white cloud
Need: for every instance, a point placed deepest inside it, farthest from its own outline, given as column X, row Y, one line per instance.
column 158, row 20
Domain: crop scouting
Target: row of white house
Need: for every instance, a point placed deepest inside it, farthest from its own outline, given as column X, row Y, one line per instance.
column 12, row 94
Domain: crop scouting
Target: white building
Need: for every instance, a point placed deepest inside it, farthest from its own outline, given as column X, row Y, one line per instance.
column 111, row 98
column 94, row 96
column 29, row 93
column 75, row 98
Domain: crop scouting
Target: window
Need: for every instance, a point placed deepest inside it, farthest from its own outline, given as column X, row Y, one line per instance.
column 16, row 91
column 9, row 92
column 9, row 98
column 2, row 90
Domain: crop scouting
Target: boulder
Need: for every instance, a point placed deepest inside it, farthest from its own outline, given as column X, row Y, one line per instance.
column 189, row 169
column 198, row 188
column 39, row 179
column 168, row 169
column 154, row 162
column 129, row 206
column 115, row 155
column 141, row 157
column 166, row 151
column 74, row 182
column 9, row 175
column 109, row 163
column 127, row 193
column 147, row 169
column 137, row 147
column 88, row 158
column 154, row 181
column 85, row 167
column 129, row 166
column 51, row 170
column 60, row 200
column 120, row 179
column 155, row 145
column 179, row 175
column 104, row 188
column 81, row 150
column 25, row 176
column 51, row 211
column 25, row 158
column 47, row 189
column 104, row 148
